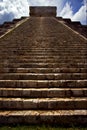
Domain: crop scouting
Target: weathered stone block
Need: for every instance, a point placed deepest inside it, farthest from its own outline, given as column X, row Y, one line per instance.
column 77, row 93
column 42, row 11
column 29, row 104
column 56, row 93
column 43, row 105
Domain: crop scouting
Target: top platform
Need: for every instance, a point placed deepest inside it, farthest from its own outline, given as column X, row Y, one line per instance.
column 43, row 11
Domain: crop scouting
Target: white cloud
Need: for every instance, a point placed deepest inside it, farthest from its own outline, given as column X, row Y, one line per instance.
column 67, row 11
column 10, row 9
column 42, row 2
column 80, row 15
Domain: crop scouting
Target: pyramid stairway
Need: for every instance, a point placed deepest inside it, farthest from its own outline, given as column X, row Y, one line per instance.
column 8, row 26
column 43, row 74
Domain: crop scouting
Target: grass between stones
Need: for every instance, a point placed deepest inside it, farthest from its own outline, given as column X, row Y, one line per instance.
column 39, row 128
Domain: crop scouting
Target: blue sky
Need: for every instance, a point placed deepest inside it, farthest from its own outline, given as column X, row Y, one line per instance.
column 73, row 9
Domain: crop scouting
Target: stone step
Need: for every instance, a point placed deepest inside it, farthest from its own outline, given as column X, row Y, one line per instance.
column 41, row 76
column 43, row 83
column 40, row 40
column 49, row 38
column 60, row 117
column 43, row 92
column 43, row 50
column 55, row 60
column 43, row 65
column 44, row 39
column 67, row 50
column 53, row 39
column 72, row 53
column 43, row 70
column 61, row 53
column 50, row 56
column 58, row 49
column 41, row 57
column 34, row 46
column 43, row 103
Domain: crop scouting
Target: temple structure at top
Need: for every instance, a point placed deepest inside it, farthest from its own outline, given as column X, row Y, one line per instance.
column 39, row 11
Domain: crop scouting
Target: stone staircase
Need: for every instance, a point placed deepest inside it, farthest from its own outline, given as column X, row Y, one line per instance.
column 43, row 74
column 6, row 26
column 75, row 25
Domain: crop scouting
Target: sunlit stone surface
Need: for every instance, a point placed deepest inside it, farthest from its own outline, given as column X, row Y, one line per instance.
column 43, row 71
